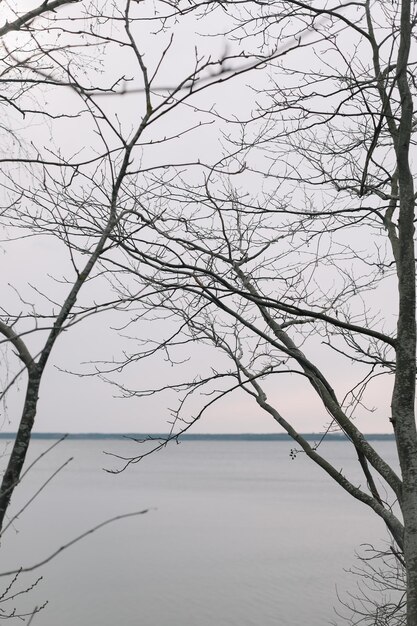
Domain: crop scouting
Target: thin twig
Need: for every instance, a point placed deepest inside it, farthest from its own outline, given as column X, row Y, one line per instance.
column 73, row 541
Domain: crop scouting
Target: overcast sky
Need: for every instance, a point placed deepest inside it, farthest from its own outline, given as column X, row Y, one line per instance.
column 69, row 403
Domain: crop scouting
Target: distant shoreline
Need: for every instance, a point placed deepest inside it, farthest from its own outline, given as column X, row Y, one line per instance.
column 203, row 437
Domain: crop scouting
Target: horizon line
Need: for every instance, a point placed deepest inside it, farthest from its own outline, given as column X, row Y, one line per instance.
column 193, row 436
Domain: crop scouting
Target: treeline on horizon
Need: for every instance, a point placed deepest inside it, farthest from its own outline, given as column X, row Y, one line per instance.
column 202, row 437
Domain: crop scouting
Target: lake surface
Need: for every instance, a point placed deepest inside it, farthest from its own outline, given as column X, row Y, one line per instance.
column 237, row 534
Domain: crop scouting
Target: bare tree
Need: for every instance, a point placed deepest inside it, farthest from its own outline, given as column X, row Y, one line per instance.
column 280, row 254
column 380, row 595
column 72, row 145
column 273, row 253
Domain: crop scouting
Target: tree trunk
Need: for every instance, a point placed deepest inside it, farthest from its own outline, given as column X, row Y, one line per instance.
column 12, row 474
column 403, row 412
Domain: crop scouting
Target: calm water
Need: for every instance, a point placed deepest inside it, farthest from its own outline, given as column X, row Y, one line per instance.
column 238, row 535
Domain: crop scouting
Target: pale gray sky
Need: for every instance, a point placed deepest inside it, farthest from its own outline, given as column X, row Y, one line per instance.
column 70, row 403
